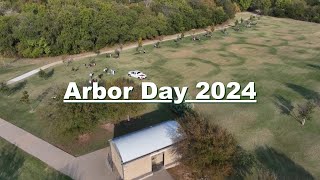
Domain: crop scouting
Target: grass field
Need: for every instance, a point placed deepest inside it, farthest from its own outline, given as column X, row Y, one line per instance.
column 281, row 56
column 16, row 164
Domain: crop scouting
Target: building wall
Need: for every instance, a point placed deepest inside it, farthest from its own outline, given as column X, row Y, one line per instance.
column 143, row 166
column 137, row 168
column 116, row 159
column 169, row 157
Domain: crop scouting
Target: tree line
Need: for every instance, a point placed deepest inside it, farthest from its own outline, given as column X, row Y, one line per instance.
column 305, row 10
column 52, row 27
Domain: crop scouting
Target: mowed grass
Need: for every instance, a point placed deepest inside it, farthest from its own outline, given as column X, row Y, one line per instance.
column 13, row 67
column 16, row 164
column 281, row 56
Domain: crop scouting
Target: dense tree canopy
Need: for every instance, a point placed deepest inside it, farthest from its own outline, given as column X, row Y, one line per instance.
column 34, row 28
column 53, row 27
column 306, row 10
column 66, row 118
column 208, row 151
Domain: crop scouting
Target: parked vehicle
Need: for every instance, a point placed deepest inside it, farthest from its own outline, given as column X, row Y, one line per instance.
column 137, row 74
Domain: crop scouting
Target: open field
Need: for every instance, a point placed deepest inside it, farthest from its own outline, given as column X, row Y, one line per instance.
column 16, row 164
column 281, row 56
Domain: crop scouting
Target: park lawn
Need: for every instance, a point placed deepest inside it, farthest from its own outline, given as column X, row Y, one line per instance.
column 16, row 164
column 281, row 56
column 10, row 67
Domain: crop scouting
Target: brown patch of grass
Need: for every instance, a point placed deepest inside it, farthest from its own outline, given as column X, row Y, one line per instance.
column 84, row 138
column 264, row 41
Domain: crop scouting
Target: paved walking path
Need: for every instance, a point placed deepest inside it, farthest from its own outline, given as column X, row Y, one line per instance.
column 87, row 167
column 91, row 166
column 132, row 46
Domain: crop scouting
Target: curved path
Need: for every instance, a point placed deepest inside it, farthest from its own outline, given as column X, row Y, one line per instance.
column 87, row 55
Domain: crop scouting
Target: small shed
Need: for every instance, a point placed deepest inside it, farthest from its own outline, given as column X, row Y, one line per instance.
column 137, row 155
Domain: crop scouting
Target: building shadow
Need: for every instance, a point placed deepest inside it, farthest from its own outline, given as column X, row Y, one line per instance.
column 280, row 165
column 163, row 113
column 283, row 104
column 11, row 160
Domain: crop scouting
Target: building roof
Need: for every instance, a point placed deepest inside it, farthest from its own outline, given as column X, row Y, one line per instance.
column 146, row 141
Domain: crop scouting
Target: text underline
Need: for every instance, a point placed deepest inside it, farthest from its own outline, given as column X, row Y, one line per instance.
column 158, row 101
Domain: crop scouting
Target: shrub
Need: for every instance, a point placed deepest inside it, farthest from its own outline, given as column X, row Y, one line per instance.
column 209, row 151
column 4, row 88
column 44, row 75
column 78, row 118
column 181, row 109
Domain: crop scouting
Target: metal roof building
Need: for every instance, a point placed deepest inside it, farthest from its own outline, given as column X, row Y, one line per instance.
column 137, row 155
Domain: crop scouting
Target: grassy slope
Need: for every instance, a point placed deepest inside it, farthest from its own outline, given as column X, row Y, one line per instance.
column 280, row 55
column 17, row 164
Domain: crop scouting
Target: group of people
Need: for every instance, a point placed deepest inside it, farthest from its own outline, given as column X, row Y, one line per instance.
column 196, row 38
column 105, row 70
column 112, row 72
column 90, row 65
column 92, row 80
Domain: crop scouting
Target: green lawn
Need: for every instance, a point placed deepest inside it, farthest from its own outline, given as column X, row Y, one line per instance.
column 281, row 56
column 16, row 164
column 10, row 67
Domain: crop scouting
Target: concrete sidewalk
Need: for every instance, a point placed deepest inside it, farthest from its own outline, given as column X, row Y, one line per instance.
column 87, row 167
column 35, row 146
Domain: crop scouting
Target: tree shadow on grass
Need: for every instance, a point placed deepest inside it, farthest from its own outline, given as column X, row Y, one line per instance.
column 17, row 87
column 314, row 66
column 244, row 164
column 283, row 104
column 50, row 74
column 306, row 93
column 11, row 160
column 163, row 113
column 279, row 164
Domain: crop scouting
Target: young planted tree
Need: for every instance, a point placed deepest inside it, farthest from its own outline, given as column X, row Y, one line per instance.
column 25, row 99
column 304, row 112
column 140, row 42
column 117, row 53
column 42, row 73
